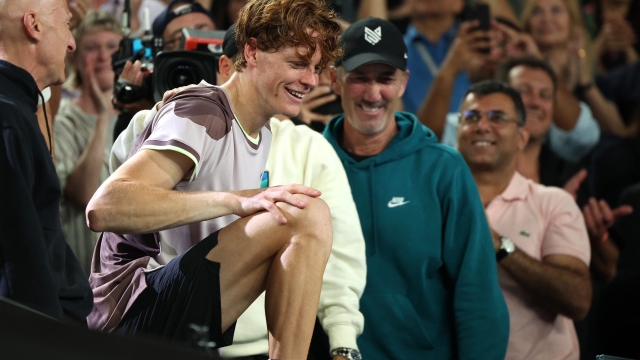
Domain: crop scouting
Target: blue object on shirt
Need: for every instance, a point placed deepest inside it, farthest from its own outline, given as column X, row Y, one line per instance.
column 421, row 78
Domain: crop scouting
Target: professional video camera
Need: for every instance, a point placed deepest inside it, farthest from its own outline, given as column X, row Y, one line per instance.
column 196, row 60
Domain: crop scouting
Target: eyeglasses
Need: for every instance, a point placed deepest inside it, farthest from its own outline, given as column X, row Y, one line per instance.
column 495, row 117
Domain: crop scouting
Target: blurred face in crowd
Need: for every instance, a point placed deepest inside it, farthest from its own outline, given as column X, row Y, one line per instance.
column 94, row 51
column 484, row 67
column 436, row 8
column 537, row 92
column 173, row 31
column 57, row 39
column 550, row 23
column 233, row 8
column 368, row 95
column 489, row 145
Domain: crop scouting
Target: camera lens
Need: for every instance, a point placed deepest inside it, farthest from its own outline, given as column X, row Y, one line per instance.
column 178, row 68
column 182, row 75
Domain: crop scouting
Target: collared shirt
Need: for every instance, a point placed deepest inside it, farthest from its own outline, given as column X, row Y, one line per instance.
column 541, row 221
column 421, row 76
column 571, row 145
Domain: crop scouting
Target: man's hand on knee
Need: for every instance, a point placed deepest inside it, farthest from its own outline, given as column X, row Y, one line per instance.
column 253, row 201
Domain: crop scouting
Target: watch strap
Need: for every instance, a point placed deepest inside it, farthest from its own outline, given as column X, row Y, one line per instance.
column 501, row 254
column 351, row 354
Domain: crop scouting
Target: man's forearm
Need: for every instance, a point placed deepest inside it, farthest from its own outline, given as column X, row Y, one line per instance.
column 606, row 114
column 374, row 8
column 557, row 289
column 127, row 207
column 604, row 259
column 566, row 110
column 433, row 110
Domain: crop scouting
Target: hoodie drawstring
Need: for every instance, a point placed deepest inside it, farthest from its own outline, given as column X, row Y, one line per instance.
column 46, row 121
column 372, row 196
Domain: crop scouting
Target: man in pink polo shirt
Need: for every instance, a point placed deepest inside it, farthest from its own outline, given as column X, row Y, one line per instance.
column 539, row 233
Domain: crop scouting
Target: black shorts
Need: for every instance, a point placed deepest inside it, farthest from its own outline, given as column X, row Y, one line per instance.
column 179, row 295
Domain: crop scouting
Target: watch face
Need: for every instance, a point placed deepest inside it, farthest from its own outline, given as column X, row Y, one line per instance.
column 355, row 355
column 508, row 245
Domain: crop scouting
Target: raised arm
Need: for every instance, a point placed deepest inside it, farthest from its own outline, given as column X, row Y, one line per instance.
column 84, row 178
column 433, row 110
column 374, row 8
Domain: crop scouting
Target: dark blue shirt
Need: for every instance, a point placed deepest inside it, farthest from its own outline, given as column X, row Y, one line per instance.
column 421, row 77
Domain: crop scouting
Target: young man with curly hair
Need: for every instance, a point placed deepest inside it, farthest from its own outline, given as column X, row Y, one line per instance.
column 198, row 247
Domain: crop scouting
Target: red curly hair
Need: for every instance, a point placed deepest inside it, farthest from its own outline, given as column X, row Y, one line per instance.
column 278, row 23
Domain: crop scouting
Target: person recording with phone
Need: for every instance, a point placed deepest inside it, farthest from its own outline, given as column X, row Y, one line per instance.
column 429, row 37
column 571, row 135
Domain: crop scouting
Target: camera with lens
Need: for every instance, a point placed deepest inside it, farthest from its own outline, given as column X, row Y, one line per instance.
column 196, row 60
column 143, row 49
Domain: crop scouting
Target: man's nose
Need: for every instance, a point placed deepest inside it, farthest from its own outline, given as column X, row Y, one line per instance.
column 372, row 92
column 310, row 78
column 71, row 46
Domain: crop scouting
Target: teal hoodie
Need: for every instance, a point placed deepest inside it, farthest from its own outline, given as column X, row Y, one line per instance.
column 432, row 285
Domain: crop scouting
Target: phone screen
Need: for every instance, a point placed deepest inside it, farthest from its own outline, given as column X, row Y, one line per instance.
column 482, row 13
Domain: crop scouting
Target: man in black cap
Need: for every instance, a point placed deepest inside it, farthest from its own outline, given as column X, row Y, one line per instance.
column 178, row 15
column 229, row 51
column 432, row 289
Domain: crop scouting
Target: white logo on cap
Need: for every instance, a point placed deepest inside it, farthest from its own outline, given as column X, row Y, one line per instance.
column 372, row 36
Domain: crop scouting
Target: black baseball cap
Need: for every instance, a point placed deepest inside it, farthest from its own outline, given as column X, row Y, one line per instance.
column 372, row 40
column 229, row 45
column 174, row 10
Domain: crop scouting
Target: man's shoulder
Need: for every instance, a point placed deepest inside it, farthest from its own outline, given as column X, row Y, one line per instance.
column 10, row 111
column 201, row 100
column 549, row 192
column 205, row 106
column 552, row 199
column 299, row 132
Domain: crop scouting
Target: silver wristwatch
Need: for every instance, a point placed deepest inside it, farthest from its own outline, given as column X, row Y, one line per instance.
column 507, row 247
column 351, row 354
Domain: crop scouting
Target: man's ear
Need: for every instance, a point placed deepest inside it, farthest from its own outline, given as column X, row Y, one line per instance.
column 222, row 65
column 404, row 83
column 523, row 138
column 32, row 25
column 334, row 81
column 251, row 52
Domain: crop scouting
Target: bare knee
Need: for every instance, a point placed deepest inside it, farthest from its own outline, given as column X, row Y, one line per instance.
column 314, row 221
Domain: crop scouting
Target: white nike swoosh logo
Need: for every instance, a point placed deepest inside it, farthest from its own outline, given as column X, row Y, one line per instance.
column 393, row 204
